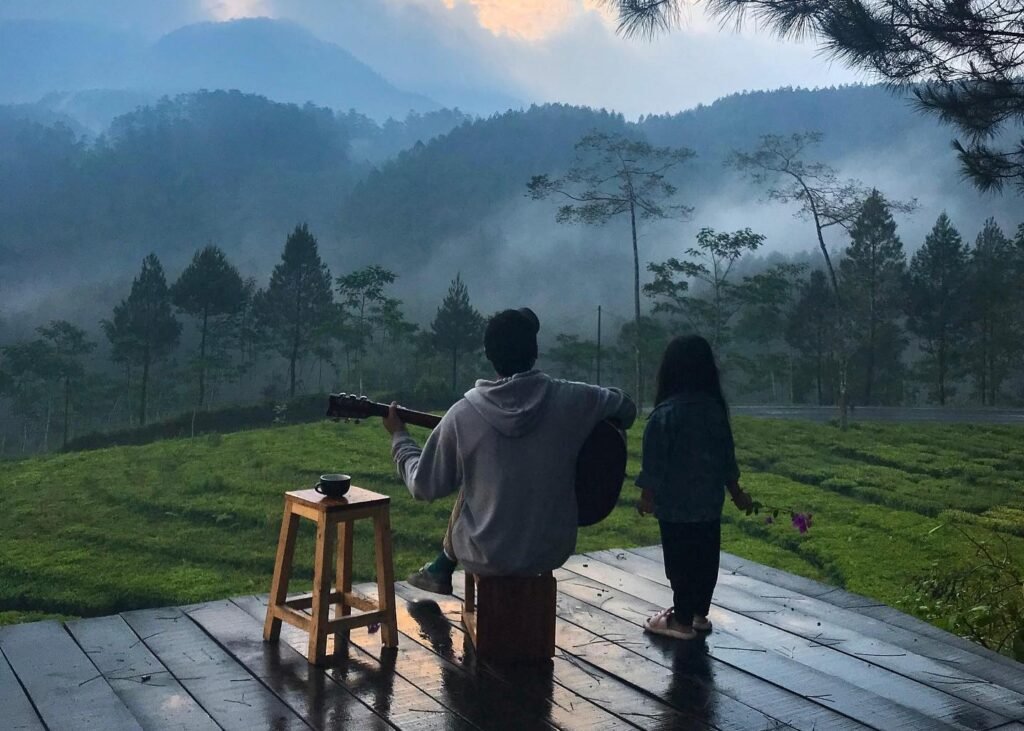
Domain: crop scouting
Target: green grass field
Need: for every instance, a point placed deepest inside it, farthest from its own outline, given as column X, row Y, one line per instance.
column 92, row 533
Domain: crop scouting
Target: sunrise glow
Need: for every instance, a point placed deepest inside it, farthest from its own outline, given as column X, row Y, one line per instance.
column 530, row 20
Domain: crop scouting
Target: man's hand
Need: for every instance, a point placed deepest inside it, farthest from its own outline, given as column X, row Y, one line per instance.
column 646, row 504
column 392, row 422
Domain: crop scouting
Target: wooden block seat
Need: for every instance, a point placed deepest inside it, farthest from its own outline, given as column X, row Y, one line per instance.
column 327, row 513
column 511, row 618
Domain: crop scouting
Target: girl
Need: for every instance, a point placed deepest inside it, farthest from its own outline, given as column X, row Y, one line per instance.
column 688, row 461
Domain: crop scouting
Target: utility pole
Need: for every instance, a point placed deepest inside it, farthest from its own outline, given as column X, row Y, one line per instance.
column 599, row 345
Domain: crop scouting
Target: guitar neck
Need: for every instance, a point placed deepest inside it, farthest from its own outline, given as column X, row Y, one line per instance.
column 347, row 406
column 417, row 418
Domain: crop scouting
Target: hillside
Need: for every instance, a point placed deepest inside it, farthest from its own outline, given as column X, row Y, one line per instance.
column 240, row 170
column 256, row 55
column 184, row 520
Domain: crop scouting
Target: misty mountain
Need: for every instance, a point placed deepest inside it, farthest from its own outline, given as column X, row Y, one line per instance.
column 99, row 74
column 277, row 59
column 240, row 171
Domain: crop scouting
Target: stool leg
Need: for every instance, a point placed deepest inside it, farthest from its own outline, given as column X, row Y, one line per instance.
column 321, row 591
column 282, row 572
column 385, row 578
column 343, row 579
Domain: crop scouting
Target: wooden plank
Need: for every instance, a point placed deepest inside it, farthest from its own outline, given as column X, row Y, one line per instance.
column 890, row 695
column 742, row 675
column 479, row 697
column 141, row 681
column 740, row 700
column 18, row 713
column 579, row 686
column 67, row 689
column 870, row 618
column 375, row 682
column 229, row 693
column 308, row 690
column 811, row 620
column 580, row 696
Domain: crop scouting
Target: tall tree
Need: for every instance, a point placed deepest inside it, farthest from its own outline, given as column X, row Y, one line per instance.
column 297, row 306
column 810, row 329
column 779, row 164
column 31, row 368
column 69, row 344
column 457, row 328
column 961, row 59
column 143, row 329
column 711, row 262
column 212, row 291
column 366, row 309
column 992, row 288
column 936, row 299
column 872, row 277
column 613, row 176
column 574, row 357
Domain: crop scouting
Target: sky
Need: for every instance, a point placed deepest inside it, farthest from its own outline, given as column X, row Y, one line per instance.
column 502, row 51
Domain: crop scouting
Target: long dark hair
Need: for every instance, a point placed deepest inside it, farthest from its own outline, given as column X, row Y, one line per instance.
column 688, row 366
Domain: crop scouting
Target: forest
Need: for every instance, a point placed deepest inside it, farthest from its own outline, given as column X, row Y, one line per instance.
column 217, row 249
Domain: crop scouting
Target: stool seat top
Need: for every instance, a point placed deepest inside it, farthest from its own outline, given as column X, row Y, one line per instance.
column 356, row 497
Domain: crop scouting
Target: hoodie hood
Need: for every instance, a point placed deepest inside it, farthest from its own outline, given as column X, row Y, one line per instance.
column 511, row 405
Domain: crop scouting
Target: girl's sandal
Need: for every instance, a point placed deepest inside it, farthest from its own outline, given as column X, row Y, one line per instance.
column 701, row 624
column 662, row 624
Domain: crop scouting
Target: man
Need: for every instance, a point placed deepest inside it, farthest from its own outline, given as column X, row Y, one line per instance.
column 509, row 449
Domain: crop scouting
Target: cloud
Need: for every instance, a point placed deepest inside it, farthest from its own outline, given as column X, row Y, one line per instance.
column 488, row 54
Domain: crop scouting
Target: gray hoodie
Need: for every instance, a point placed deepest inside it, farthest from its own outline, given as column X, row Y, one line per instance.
column 511, row 446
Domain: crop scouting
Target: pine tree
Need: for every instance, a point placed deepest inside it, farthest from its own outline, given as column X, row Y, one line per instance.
column 936, row 310
column 993, row 340
column 810, row 329
column 69, row 344
column 297, row 307
column 872, row 274
column 143, row 329
column 613, row 176
column 458, row 327
column 212, row 291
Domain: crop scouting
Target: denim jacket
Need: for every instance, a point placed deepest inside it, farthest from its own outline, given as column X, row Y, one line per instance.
column 688, row 457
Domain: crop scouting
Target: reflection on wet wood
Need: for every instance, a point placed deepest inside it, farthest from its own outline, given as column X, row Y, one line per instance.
column 140, row 680
column 786, row 652
column 832, row 647
column 232, row 695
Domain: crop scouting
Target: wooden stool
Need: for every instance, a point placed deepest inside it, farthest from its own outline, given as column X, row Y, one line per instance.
column 511, row 618
column 328, row 512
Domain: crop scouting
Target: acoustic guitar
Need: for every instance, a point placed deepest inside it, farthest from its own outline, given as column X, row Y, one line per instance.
column 600, row 465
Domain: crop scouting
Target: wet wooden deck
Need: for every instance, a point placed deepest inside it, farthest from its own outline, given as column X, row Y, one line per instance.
column 786, row 652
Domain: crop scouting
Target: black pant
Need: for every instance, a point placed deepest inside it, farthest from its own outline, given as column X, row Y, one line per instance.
column 691, row 565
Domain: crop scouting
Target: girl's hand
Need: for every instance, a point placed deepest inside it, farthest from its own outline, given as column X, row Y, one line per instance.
column 646, row 504
column 742, row 500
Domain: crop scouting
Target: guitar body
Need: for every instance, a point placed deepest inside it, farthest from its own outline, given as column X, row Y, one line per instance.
column 600, row 472
column 600, row 465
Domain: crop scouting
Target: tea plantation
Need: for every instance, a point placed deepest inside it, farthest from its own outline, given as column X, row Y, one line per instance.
column 895, row 508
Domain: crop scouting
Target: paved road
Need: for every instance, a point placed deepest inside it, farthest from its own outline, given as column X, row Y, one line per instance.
column 888, row 413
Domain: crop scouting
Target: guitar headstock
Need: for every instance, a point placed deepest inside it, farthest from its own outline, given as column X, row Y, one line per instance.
column 350, row 406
